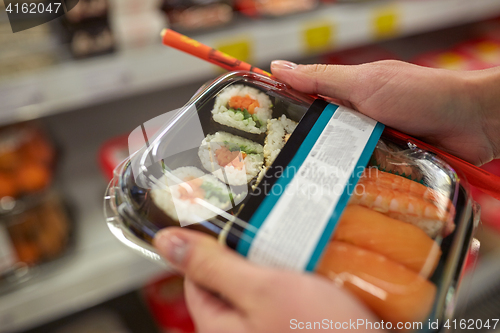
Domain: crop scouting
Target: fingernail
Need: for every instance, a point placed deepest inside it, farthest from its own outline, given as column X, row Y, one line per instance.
column 283, row 64
column 172, row 247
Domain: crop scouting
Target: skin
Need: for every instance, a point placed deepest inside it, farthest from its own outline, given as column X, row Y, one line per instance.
column 227, row 294
column 457, row 111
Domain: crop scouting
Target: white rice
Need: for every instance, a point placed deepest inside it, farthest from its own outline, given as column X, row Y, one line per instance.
column 253, row 160
column 166, row 195
column 259, row 178
column 223, row 115
column 278, row 131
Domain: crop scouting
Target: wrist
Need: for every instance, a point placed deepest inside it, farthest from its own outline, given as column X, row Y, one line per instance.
column 484, row 88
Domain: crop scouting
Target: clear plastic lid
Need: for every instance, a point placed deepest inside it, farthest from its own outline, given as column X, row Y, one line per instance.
column 399, row 243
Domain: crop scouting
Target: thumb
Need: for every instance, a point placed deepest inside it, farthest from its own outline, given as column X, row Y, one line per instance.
column 209, row 265
column 336, row 81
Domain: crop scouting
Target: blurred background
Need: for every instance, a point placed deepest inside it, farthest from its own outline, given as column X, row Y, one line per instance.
column 72, row 89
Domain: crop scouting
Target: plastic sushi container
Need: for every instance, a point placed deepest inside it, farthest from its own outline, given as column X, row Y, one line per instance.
column 34, row 225
column 36, row 234
column 292, row 181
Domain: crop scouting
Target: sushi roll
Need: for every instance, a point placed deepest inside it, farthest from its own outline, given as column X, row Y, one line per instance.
column 244, row 108
column 278, row 133
column 188, row 195
column 232, row 159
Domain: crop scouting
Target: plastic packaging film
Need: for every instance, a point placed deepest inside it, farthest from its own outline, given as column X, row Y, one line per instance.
column 289, row 181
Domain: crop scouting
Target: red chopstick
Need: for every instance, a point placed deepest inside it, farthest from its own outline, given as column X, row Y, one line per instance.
column 483, row 180
column 204, row 52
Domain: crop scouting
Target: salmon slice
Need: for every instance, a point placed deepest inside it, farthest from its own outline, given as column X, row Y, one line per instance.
column 405, row 200
column 397, row 240
column 226, row 157
column 191, row 189
column 392, row 291
column 244, row 103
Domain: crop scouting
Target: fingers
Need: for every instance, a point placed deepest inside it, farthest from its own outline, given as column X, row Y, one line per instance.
column 210, row 265
column 334, row 81
column 210, row 313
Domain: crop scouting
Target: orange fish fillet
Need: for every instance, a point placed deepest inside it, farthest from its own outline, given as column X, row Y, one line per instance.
column 405, row 200
column 393, row 292
column 397, row 240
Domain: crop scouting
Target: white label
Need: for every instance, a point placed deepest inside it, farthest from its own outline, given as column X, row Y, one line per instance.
column 291, row 231
column 7, row 254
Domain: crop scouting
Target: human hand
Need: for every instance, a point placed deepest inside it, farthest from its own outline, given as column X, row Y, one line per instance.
column 250, row 298
column 456, row 111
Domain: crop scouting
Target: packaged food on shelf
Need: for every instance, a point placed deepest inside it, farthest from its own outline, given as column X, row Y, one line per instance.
column 273, row 8
column 197, row 14
column 134, row 7
column 86, row 29
column 93, row 40
column 87, row 10
column 34, row 232
column 27, row 160
column 253, row 163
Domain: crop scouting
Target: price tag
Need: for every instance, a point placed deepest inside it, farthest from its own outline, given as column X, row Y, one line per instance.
column 240, row 48
column 318, row 36
column 386, row 21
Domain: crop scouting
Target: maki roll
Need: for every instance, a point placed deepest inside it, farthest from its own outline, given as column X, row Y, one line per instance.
column 244, row 108
column 278, row 133
column 188, row 195
column 232, row 159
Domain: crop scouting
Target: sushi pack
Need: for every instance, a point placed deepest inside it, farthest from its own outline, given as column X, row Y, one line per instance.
column 294, row 182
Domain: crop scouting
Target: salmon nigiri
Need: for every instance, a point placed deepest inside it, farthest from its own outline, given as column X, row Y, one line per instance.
column 397, row 240
column 405, row 200
column 393, row 292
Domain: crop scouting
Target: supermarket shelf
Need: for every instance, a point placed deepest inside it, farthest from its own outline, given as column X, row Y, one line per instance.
column 98, row 269
column 81, row 83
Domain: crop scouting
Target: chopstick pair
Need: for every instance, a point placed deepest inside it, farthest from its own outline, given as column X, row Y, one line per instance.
column 483, row 180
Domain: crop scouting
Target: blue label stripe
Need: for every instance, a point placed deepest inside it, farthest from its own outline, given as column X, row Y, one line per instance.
column 270, row 201
column 267, row 205
column 344, row 198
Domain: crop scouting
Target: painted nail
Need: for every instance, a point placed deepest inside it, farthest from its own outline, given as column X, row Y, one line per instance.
column 283, row 64
column 173, row 248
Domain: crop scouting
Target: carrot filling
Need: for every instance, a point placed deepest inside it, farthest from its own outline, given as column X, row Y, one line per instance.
column 240, row 102
column 195, row 192
column 225, row 157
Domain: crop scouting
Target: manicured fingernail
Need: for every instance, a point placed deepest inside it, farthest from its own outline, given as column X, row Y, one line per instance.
column 283, row 64
column 172, row 247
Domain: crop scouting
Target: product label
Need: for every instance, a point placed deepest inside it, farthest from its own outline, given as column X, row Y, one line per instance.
column 7, row 256
column 297, row 218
